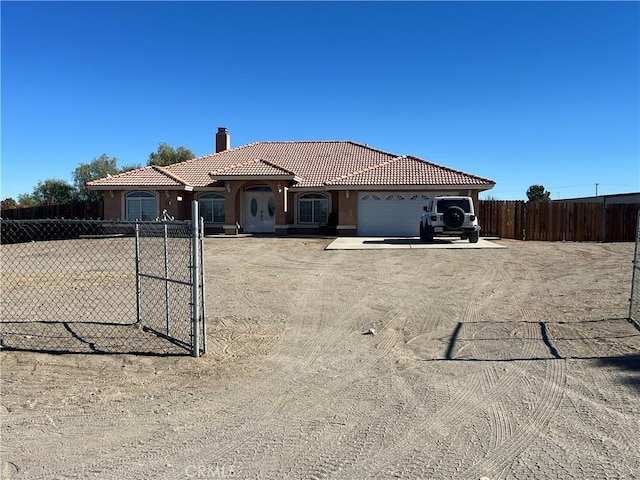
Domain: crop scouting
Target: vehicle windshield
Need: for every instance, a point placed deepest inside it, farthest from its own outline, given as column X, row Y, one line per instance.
column 463, row 203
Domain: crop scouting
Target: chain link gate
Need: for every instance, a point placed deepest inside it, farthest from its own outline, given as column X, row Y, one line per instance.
column 92, row 286
column 634, row 309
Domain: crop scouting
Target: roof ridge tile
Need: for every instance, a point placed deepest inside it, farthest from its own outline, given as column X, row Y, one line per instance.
column 364, row 145
column 275, row 165
column 235, row 165
column 169, row 174
column 271, row 164
column 364, row 170
column 214, row 154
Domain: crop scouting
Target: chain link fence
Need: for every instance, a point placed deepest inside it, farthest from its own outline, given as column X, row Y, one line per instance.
column 91, row 286
column 634, row 309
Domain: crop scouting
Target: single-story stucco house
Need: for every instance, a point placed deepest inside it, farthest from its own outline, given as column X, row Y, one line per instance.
column 289, row 188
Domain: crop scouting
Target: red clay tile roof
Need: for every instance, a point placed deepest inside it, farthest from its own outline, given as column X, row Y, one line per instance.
column 153, row 176
column 407, row 170
column 169, row 174
column 257, row 167
column 317, row 164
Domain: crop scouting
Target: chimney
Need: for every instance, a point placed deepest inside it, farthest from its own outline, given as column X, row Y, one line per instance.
column 222, row 139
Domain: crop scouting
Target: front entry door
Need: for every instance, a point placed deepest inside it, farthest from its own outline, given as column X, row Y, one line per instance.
column 260, row 212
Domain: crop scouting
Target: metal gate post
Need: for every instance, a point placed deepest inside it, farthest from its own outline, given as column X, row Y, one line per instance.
column 633, row 301
column 138, row 319
column 195, row 279
column 203, row 314
column 166, row 278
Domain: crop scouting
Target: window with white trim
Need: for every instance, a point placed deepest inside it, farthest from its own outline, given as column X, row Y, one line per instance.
column 313, row 208
column 212, row 207
column 141, row 206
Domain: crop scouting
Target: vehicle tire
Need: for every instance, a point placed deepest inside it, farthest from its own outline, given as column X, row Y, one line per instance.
column 428, row 234
column 473, row 238
column 453, row 217
column 422, row 232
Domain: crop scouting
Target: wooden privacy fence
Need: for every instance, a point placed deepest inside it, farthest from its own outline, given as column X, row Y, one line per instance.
column 79, row 210
column 556, row 221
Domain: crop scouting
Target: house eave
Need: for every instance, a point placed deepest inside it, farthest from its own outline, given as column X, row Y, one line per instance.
column 209, row 188
column 409, row 187
column 185, row 188
column 293, row 178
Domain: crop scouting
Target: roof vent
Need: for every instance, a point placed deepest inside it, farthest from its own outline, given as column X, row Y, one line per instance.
column 222, row 139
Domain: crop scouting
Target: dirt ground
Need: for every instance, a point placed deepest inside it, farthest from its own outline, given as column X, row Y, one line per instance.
column 486, row 364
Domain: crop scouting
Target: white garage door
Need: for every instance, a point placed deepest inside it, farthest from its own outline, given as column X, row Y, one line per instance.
column 390, row 214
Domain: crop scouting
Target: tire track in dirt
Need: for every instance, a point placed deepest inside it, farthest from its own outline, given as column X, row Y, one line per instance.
column 548, row 403
column 462, row 408
column 371, row 430
column 308, row 303
column 499, row 424
column 240, row 433
column 324, row 457
column 453, row 452
column 457, row 406
column 389, row 338
column 501, row 428
column 587, row 414
column 297, row 462
column 484, row 385
column 271, row 450
column 581, row 394
column 508, row 442
column 164, row 448
column 383, row 348
column 356, row 439
column 582, row 345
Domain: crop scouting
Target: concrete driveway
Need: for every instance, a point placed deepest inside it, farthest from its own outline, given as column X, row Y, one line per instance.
column 373, row 243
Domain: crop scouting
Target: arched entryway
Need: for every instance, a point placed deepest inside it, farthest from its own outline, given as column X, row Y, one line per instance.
column 259, row 209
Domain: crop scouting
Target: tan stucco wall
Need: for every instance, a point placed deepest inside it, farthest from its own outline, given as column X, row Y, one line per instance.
column 166, row 199
column 476, row 200
column 112, row 206
column 180, row 210
column 347, row 207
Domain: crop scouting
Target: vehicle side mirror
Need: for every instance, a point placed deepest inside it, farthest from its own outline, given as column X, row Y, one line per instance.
column 425, row 209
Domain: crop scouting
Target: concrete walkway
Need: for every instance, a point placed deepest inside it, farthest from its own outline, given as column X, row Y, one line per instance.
column 373, row 243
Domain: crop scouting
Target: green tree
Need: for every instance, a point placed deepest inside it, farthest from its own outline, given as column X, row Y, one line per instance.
column 8, row 203
column 128, row 168
column 52, row 191
column 27, row 200
column 100, row 167
column 537, row 193
column 166, row 155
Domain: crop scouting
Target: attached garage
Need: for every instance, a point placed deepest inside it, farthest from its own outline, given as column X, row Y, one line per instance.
column 391, row 214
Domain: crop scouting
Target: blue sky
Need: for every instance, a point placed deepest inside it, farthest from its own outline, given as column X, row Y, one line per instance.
column 519, row 92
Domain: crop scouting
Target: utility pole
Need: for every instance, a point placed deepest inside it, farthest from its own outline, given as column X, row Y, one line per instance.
column 597, row 189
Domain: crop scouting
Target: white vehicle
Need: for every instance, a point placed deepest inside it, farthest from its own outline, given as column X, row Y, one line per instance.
column 449, row 216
